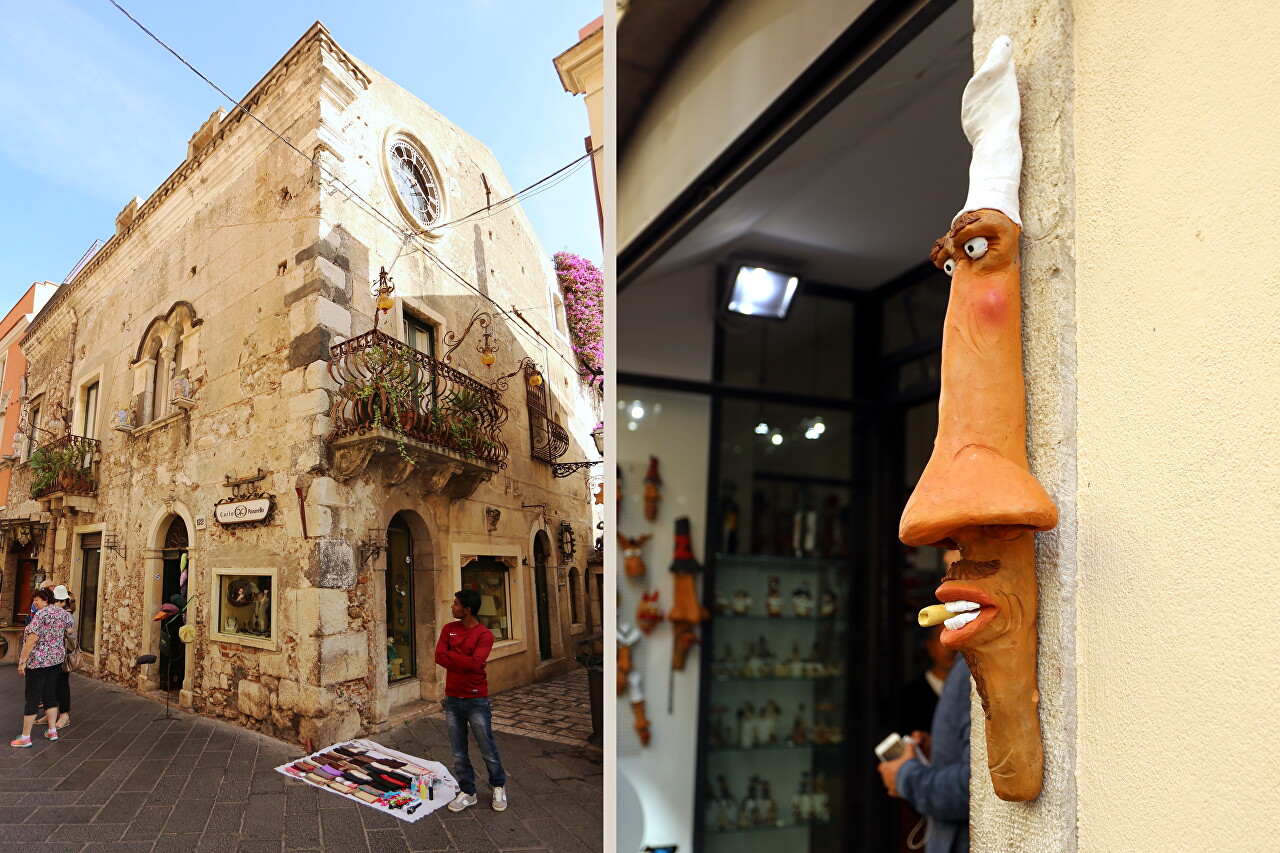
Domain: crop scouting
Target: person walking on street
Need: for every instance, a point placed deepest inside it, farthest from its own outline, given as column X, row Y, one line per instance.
column 462, row 650
column 63, row 598
column 43, row 651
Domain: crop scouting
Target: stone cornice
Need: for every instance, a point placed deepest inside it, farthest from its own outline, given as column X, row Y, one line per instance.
column 317, row 37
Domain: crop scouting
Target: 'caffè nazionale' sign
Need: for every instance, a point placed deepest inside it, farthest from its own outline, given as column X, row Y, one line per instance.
column 244, row 512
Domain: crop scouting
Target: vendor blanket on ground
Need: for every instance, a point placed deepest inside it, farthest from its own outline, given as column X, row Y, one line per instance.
column 401, row 785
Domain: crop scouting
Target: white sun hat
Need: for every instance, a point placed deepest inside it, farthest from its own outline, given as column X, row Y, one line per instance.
column 60, row 593
column 990, row 112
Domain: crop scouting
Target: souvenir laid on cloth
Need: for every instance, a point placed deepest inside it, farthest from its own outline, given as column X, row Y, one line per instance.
column 401, row 785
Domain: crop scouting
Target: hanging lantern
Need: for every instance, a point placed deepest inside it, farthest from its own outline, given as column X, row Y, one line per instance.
column 382, row 290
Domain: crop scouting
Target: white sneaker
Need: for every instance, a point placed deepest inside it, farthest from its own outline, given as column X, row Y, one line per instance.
column 499, row 799
column 463, row 801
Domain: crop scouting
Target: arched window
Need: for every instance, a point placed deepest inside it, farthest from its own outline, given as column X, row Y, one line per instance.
column 163, row 353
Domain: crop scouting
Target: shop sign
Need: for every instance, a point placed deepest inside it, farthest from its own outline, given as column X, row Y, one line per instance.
column 244, row 511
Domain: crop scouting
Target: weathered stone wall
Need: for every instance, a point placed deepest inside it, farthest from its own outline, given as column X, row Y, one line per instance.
column 274, row 270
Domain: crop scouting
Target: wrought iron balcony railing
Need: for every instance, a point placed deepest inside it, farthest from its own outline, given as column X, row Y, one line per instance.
column 383, row 383
column 68, row 464
column 548, row 439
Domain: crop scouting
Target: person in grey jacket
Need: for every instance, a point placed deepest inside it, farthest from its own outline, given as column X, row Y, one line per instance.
column 940, row 790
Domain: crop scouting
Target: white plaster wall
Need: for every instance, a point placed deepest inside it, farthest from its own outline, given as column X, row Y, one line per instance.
column 741, row 62
column 1178, row 306
column 662, row 773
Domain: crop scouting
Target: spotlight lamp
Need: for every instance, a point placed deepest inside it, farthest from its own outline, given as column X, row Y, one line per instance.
column 757, row 291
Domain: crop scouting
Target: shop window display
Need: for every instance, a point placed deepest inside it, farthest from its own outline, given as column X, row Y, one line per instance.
column 245, row 606
column 491, row 578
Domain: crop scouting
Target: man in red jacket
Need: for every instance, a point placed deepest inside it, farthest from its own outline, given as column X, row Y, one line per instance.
column 463, row 648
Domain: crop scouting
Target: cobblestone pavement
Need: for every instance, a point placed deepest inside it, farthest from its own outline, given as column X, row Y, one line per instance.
column 556, row 710
column 120, row 779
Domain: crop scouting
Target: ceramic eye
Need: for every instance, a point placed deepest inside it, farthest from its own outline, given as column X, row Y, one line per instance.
column 949, row 266
column 976, row 247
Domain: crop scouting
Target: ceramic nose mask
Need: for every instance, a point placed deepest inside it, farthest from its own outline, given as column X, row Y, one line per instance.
column 977, row 494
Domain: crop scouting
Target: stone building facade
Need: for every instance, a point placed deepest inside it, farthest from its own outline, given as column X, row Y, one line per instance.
column 312, row 489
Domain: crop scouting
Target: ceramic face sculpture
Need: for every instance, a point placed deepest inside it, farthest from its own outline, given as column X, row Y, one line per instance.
column 977, row 494
column 633, row 554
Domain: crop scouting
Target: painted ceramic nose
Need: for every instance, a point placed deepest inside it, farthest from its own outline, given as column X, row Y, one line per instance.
column 977, row 480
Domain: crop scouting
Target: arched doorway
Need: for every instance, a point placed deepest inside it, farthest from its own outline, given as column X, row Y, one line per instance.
column 401, row 630
column 541, row 549
column 173, row 590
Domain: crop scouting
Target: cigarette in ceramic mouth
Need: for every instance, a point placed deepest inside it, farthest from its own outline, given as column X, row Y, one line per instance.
column 956, row 614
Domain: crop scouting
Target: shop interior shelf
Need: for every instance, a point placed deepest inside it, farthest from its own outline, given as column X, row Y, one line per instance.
column 803, row 825
column 743, row 680
column 724, row 618
column 756, row 561
column 781, row 747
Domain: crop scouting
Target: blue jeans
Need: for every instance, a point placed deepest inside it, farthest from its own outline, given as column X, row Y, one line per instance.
column 457, row 714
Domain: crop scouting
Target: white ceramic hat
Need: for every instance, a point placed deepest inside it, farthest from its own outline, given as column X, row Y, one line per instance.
column 60, row 593
column 989, row 113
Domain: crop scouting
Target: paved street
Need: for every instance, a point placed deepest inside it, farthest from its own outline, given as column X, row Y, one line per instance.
column 120, row 779
column 558, row 710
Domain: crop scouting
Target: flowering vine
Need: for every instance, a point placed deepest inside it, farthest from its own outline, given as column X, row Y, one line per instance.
column 583, row 287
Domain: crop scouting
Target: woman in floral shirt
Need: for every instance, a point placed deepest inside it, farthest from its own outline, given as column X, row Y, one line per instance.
column 43, row 651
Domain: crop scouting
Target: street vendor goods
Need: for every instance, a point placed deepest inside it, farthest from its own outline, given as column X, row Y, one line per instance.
column 401, row 785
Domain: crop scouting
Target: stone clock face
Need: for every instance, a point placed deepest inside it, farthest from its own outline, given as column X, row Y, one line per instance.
column 415, row 182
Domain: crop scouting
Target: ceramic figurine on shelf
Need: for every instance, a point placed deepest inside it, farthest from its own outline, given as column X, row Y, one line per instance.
column 802, row 601
column 766, row 657
column 767, row 809
column 747, row 725
column 795, row 666
column 768, row 724
column 722, row 667
column 741, row 602
column 648, row 613
column 753, row 666
column 719, row 733
column 728, row 817
column 819, row 803
column 773, row 603
column 749, row 813
column 814, row 667
column 712, row 814
column 828, row 604
column 800, row 801
column 799, row 734
column 722, row 603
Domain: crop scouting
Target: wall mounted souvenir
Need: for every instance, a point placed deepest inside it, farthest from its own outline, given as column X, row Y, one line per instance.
column 977, row 494
column 632, row 554
column 652, row 490
column 686, row 611
column 648, row 613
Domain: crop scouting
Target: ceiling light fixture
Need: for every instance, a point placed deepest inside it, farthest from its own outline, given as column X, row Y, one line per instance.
column 760, row 292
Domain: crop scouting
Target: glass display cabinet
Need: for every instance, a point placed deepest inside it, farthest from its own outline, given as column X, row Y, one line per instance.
column 775, row 739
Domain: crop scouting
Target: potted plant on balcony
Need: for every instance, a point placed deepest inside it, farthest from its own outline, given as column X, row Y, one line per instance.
column 389, row 395
column 57, row 467
column 458, row 423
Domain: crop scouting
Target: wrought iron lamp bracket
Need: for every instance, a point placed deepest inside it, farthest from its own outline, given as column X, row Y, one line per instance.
column 453, row 340
column 527, row 365
column 373, row 545
column 566, row 469
column 111, row 541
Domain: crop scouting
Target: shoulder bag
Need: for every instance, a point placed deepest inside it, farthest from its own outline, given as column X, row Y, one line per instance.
column 75, row 658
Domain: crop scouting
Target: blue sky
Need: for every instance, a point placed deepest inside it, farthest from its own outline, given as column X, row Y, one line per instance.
column 95, row 112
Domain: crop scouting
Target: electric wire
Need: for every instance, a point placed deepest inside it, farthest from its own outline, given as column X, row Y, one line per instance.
column 407, row 234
